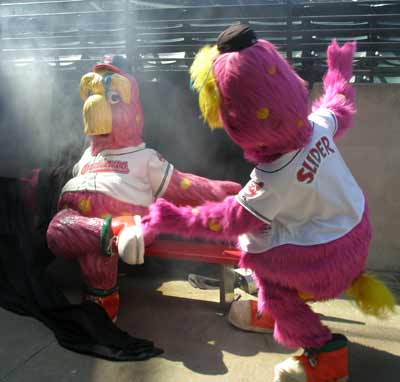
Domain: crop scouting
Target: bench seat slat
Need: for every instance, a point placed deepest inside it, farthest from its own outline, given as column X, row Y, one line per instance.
column 191, row 251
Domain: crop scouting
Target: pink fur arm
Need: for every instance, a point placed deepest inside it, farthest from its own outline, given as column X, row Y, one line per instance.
column 222, row 221
column 338, row 93
column 193, row 190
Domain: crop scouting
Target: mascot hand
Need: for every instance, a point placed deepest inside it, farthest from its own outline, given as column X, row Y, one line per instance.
column 130, row 243
column 341, row 58
column 164, row 217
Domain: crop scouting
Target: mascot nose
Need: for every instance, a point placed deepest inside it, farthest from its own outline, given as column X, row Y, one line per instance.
column 97, row 116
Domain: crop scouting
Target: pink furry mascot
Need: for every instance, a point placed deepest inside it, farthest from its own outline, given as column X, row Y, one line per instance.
column 302, row 221
column 116, row 179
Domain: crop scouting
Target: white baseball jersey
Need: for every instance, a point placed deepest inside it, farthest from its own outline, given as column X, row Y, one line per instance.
column 135, row 175
column 306, row 197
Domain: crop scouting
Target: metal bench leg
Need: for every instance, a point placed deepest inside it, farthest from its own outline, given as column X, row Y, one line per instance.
column 227, row 286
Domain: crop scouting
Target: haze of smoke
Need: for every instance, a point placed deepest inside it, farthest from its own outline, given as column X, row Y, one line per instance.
column 41, row 109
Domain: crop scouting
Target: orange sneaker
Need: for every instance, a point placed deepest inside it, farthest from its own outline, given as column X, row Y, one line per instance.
column 244, row 315
column 109, row 302
column 327, row 364
column 123, row 235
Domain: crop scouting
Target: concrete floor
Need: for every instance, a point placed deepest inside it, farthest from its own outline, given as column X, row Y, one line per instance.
column 200, row 345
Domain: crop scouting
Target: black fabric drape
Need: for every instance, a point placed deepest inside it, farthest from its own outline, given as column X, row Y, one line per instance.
column 27, row 289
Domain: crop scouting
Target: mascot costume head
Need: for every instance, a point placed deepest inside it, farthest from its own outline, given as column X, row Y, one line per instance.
column 253, row 94
column 112, row 111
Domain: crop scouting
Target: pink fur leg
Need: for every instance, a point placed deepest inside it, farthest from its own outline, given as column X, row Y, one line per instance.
column 222, row 221
column 70, row 234
column 97, row 204
column 188, row 189
column 98, row 271
column 74, row 236
column 296, row 325
column 338, row 93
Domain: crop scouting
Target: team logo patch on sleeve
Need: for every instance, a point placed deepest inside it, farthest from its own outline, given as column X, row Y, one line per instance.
column 253, row 188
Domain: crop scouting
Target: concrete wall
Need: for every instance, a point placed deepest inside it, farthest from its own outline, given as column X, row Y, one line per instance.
column 372, row 151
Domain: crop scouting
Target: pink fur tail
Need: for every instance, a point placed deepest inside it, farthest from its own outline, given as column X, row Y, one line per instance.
column 338, row 93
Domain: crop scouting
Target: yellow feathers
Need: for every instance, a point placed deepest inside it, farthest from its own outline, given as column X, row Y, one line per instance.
column 201, row 65
column 91, row 83
column 372, row 296
column 203, row 80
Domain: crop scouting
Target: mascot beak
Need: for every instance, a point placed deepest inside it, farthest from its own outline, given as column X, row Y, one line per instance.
column 100, row 91
column 97, row 116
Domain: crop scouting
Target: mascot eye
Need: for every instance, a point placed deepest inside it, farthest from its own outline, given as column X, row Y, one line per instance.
column 113, row 97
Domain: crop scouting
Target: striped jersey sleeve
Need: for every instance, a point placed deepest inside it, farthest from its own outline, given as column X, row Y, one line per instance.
column 259, row 199
column 160, row 172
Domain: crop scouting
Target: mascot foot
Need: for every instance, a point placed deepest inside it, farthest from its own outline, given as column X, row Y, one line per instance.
column 107, row 299
column 123, row 235
column 326, row 364
column 244, row 315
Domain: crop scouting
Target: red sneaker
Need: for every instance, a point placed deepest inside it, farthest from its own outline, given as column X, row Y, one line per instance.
column 110, row 303
column 244, row 315
column 327, row 364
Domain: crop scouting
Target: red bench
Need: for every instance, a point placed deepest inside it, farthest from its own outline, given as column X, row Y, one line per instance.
column 219, row 254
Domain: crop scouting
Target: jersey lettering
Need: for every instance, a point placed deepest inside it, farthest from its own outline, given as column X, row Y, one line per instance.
column 314, row 158
column 106, row 166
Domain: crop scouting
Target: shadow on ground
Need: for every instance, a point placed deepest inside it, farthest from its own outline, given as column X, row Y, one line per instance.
column 194, row 334
column 367, row 364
